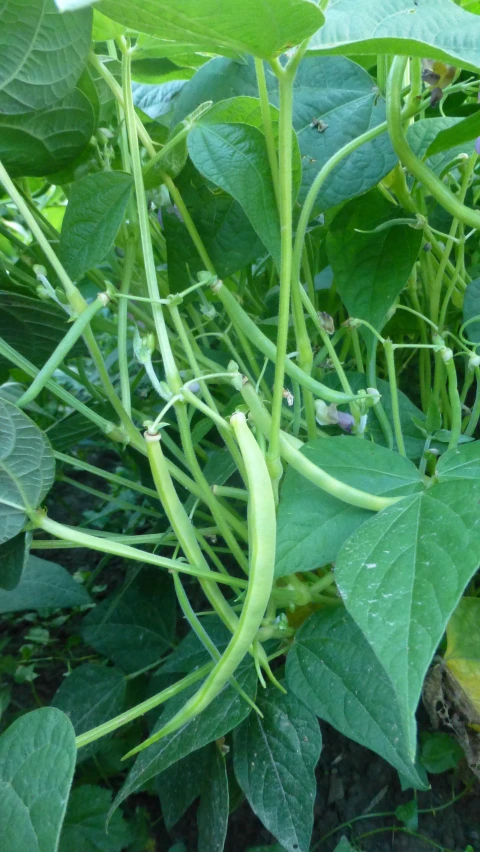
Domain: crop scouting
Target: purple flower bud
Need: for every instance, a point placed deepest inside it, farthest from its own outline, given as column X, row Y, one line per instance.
column 345, row 421
column 477, row 145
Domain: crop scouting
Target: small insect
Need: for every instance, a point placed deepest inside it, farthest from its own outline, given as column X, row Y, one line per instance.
column 319, row 124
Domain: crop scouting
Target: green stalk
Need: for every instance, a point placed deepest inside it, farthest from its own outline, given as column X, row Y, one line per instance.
column 83, row 539
column 267, row 127
column 173, row 378
column 418, row 169
column 475, row 415
column 397, row 423
column 290, row 450
column 140, row 709
column 122, row 327
column 240, row 319
column 285, row 82
column 455, row 402
column 62, row 350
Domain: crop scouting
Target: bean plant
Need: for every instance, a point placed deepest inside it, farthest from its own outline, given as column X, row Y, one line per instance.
column 240, row 291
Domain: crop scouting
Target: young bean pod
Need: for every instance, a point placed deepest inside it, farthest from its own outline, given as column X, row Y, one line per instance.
column 262, row 529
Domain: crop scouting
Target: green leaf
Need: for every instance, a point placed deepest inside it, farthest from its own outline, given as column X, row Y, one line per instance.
column 274, row 759
column 371, row 270
column 96, row 207
column 402, row 574
column 213, row 811
column 40, row 143
column 262, row 29
column 408, row 814
column 422, row 136
column 343, row 96
column 73, row 429
column 440, row 752
column 334, row 671
column 471, row 309
column 42, row 53
column 13, row 558
column 224, row 229
column 33, row 327
column 84, row 829
column 312, row 525
column 180, row 784
column 461, row 463
column 344, row 846
column 27, row 468
column 135, row 627
column 190, row 653
column 334, row 89
column 37, row 761
column 43, row 585
column 89, row 696
column 461, row 132
column 234, row 157
column 157, row 100
column 225, row 712
column 435, row 28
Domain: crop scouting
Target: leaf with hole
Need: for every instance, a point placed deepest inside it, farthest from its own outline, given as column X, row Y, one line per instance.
column 37, row 761
column 333, row 670
column 27, row 468
column 274, row 758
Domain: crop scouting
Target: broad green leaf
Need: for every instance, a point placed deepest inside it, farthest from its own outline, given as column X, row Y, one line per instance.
column 371, row 270
column 96, row 206
column 234, row 157
column 89, row 696
column 158, row 100
column 462, row 656
column 40, row 143
column 104, row 28
column 312, row 525
column 344, row 846
column 27, row 468
column 440, row 752
column 461, row 463
column 435, row 28
column 73, row 429
column 461, row 132
column 225, row 712
column 84, row 828
column 402, row 574
column 13, row 558
column 37, row 761
column 334, row 671
column 334, row 89
column 471, row 309
column 226, row 233
column 423, row 134
column 180, row 784
column 135, row 627
column 213, row 811
column 274, row 759
column 42, row 53
column 43, row 585
column 33, row 327
column 343, row 96
column 262, row 29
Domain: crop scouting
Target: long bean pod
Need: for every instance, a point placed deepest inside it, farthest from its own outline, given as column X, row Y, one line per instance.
column 262, row 529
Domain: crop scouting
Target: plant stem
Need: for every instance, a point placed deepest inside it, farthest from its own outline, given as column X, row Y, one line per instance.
column 122, row 327
column 267, row 127
column 397, row 423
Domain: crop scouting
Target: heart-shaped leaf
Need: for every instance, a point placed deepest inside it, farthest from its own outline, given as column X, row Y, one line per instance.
column 402, row 574
column 37, row 761
column 27, row 468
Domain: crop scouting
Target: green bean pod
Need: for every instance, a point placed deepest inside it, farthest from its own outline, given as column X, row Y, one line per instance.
column 262, row 529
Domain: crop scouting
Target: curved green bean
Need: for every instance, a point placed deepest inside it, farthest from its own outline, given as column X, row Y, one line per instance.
column 262, row 529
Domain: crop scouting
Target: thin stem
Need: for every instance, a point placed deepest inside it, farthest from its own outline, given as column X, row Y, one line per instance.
column 267, row 127
column 285, row 82
column 397, row 423
column 455, row 403
column 122, row 327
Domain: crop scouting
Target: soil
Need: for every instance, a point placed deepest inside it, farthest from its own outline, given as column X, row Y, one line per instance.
column 353, row 782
